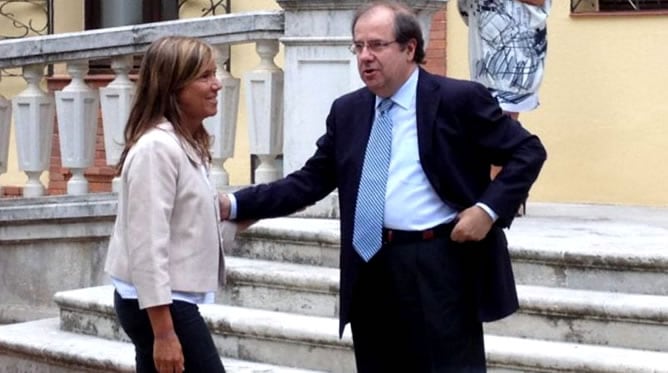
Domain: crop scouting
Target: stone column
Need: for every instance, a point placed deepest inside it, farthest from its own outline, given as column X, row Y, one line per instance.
column 319, row 67
column 34, row 114
column 223, row 125
column 5, row 119
column 116, row 103
column 77, row 108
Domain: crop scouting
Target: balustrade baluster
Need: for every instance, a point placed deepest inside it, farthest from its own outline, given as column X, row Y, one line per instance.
column 223, row 125
column 116, row 101
column 5, row 119
column 34, row 113
column 264, row 95
column 77, row 108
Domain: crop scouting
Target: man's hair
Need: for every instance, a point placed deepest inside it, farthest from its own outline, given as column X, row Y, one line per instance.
column 406, row 24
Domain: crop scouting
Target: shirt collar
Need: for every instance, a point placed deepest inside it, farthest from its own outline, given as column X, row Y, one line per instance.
column 405, row 94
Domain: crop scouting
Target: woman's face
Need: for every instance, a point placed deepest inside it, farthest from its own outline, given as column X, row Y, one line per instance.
column 199, row 98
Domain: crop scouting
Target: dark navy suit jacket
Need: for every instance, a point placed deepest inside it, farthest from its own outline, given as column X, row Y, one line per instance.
column 461, row 131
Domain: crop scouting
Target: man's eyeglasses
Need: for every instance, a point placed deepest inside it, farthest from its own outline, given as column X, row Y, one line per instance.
column 373, row 46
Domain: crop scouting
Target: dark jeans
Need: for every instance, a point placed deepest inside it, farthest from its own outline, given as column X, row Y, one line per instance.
column 413, row 311
column 198, row 349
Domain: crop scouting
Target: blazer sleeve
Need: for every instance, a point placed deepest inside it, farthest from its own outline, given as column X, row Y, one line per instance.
column 302, row 188
column 151, row 188
column 507, row 144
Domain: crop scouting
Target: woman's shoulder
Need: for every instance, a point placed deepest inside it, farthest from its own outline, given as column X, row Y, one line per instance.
column 161, row 135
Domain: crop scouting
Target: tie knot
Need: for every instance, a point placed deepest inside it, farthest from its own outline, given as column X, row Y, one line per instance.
column 385, row 105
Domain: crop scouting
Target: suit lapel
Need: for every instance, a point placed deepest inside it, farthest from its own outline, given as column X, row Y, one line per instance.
column 363, row 119
column 426, row 107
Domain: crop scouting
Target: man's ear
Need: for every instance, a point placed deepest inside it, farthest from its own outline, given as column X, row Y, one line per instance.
column 411, row 46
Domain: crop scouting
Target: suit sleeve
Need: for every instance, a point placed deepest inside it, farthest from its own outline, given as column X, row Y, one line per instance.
column 506, row 143
column 302, row 188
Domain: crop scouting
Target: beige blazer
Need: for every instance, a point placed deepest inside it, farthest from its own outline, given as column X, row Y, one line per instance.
column 166, row 236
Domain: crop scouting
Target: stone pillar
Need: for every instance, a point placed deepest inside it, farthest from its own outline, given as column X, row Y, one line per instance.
column 265, row 111
column 34, row 114
column 5, row 119
column 77, row 108
column 116, row 103
column 223, row 125
column 319, row 67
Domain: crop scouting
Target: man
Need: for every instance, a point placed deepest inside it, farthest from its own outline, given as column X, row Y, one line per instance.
column 418, row 280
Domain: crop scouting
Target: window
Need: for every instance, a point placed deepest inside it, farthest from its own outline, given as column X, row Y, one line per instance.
column 611, row 6
column 108, row 13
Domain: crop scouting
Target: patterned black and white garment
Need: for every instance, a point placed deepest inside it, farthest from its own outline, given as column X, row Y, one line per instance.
column 507, row 49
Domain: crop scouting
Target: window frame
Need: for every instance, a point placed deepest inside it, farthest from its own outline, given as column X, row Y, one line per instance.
column 618, row 7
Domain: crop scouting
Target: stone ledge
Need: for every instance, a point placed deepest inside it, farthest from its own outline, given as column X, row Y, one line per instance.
column 546, row 356
column 286, row 275
column 115, row 41
column 44, row 345
column 600, row 305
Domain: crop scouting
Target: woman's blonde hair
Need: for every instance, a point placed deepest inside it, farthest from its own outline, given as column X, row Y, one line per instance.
column 170, row 63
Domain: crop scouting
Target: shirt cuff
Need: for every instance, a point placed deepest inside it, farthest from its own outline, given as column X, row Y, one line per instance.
column 233, row 206
column 488, row 210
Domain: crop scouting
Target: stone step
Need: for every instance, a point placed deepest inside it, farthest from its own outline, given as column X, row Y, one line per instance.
column 588, row 253
column 510, row 354
column 281, row 286
column 581, row 316
column 311, row 342
column 635, row 321
column 585, row 252
column 291, row 239
column 41, row 346
column 307, row 342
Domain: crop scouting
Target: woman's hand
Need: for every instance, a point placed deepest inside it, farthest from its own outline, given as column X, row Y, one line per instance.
column 167, row 352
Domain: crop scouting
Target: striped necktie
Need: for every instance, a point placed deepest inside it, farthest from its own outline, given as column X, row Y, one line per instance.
column 370, row 205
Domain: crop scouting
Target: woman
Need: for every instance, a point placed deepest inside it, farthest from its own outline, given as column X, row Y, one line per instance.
column 165, row 254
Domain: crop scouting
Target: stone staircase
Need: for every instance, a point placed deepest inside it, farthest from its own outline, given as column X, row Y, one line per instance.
column 592, row 282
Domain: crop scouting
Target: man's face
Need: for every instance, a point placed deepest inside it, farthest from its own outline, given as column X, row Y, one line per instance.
column 383, row 64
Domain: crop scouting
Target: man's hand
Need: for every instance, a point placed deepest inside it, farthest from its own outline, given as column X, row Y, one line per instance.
column 473, row 225
column 224, row 205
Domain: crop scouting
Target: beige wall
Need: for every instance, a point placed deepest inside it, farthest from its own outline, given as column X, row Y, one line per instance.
column 604, row 111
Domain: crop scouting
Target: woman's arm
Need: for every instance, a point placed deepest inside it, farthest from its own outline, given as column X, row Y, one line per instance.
column 533, row 2
column 167, row 352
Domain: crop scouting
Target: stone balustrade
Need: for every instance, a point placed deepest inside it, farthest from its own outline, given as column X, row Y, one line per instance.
column 318, row 67
column 76, row 106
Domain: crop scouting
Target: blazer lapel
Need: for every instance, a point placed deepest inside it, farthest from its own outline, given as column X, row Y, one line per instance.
column 363, row 118
column 426, row 107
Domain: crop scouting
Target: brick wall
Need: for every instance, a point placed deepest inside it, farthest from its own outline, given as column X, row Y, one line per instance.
column 435, row 59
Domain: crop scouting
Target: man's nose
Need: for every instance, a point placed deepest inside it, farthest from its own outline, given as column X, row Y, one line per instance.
column 365, row 54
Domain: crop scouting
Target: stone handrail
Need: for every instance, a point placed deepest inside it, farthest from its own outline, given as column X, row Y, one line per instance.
column 116, row 41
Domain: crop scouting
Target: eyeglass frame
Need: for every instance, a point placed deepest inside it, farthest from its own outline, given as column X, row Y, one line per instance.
column 373, row 46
